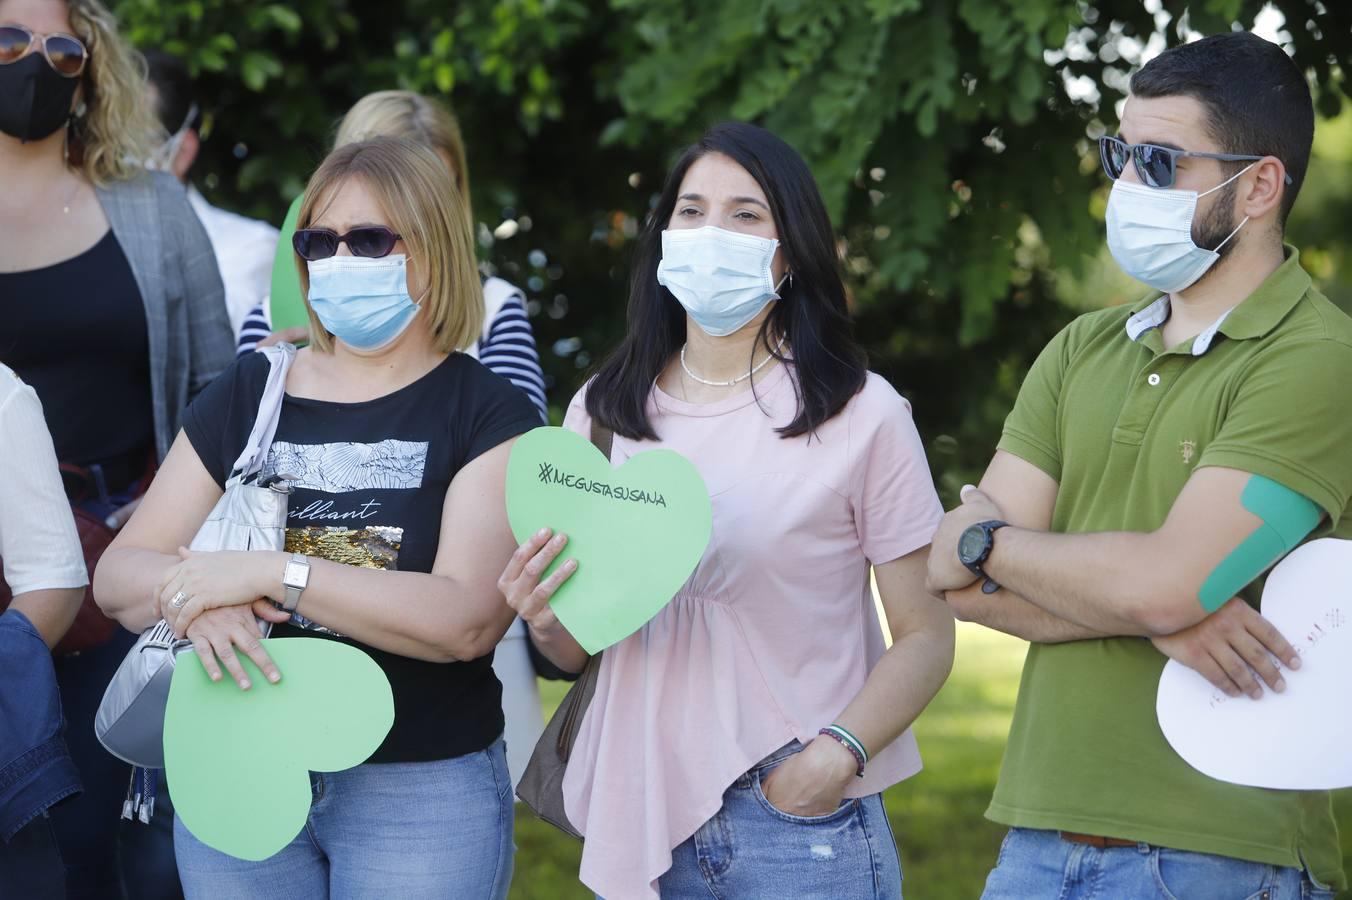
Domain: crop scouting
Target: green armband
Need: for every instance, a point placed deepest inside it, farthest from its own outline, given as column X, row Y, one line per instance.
column 1287, row 518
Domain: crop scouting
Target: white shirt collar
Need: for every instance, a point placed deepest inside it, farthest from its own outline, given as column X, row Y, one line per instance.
column 1157, row 313
column 199, row 203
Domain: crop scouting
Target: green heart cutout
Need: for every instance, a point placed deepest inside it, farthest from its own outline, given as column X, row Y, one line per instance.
column 238, row 762
column 637, row 531
column 286, row 307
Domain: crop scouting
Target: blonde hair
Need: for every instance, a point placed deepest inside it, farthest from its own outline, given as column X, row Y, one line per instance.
column 118, row 126
column 411, row 116
column 411, row 183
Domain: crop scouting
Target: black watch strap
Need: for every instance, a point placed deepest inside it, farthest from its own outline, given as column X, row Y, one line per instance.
column 977, row 566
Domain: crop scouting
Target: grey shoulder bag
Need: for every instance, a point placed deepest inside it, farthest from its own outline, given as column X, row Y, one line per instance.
column 541, row 786
column 251, row 515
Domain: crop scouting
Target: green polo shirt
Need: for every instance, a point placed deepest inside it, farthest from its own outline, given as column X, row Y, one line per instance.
column 1121, row 423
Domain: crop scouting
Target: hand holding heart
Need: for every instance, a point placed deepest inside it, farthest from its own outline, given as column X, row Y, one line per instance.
column 239, row 762
column 1233, row 648
column 1296, row 739
column 232, row 632
column 521, row 585
column 634, row 534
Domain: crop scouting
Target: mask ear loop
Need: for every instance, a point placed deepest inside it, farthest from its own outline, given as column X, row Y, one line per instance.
column 167, row 152
column 1218, row 247
column 1227, row 181
column 418, row 303
column 1232, row 234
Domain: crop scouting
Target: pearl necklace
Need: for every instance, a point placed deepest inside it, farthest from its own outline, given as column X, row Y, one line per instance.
column 739, row 379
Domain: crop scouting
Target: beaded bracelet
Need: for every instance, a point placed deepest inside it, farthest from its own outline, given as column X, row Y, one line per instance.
column 850, row 743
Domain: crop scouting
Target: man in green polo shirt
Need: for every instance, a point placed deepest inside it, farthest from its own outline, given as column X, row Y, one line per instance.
column 1159, row 459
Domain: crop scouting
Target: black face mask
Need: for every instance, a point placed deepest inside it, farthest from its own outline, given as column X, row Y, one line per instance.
column 34, row 99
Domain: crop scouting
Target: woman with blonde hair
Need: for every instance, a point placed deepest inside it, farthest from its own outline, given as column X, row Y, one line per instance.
column 505, row 345
column 117, row 318
column 398, row 446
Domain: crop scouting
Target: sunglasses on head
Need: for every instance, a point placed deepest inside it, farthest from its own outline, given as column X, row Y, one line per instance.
column 372, row 241
column 1156, row 166
column 64, row 52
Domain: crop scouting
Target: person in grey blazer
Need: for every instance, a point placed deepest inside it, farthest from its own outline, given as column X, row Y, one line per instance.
column 114, row 314
column 190, row 341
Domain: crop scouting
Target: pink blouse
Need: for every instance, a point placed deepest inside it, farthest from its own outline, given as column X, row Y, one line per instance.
column 772, row 636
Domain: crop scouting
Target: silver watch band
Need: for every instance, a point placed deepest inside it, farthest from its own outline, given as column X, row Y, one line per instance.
column 294, row 579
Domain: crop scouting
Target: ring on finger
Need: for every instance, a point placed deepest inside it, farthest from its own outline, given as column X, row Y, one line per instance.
column 179, row 600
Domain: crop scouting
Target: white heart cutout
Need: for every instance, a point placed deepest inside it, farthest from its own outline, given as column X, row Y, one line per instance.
column 1298, row 739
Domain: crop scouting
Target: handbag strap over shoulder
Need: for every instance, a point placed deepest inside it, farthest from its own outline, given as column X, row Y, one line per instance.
column 250, row 461
column 602, row 438
column 579, row 698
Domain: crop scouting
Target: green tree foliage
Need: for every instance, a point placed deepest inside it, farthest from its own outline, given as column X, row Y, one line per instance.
column 957, row 166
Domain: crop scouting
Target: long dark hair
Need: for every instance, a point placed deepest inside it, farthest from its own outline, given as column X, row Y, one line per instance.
column 811, row 313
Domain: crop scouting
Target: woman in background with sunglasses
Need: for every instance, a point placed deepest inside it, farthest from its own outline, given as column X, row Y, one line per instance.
column 114, row 316
column 398, row 446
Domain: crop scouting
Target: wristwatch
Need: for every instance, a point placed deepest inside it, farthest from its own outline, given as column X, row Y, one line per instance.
column 974, row 548
column 294, row 578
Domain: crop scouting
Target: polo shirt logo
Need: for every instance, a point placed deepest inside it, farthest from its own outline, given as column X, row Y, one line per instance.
column 1188, row 449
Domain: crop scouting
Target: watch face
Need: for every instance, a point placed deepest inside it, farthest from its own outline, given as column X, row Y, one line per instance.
column 296, row 575
column 972, row 544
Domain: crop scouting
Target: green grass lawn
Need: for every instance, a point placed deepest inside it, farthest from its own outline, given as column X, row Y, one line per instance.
column 947, row 845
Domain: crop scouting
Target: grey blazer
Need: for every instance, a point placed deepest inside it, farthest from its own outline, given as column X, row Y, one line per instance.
column 175, row 269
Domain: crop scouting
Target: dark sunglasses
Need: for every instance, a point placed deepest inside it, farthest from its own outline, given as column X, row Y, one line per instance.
column 321, row 243
column 1155, row 165
column 64, row 52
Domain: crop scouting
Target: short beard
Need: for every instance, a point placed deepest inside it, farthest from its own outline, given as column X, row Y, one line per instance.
column 1218, row 224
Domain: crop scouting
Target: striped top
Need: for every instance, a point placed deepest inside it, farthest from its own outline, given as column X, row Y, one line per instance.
column 509, row 350
column 507, row 347
column 253, row 329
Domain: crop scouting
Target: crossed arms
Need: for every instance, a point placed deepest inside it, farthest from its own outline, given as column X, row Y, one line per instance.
column 1065, row 587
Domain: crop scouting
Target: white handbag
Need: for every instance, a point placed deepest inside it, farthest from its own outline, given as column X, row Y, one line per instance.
column 251, row 515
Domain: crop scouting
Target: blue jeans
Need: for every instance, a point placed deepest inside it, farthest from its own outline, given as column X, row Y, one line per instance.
column 1039, row 864
column 414, row 831
column 751, row 849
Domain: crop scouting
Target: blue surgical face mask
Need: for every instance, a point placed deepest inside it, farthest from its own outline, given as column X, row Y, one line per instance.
column 721, row 278
column 1150, row 234
column 361, row 301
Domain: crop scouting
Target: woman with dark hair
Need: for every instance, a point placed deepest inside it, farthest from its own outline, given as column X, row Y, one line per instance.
column 755, row 720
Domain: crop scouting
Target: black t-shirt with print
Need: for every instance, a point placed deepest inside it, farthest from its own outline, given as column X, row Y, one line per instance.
column 372, row 481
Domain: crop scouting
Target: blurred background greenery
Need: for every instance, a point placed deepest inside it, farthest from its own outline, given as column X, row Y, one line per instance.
column 953, row 141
